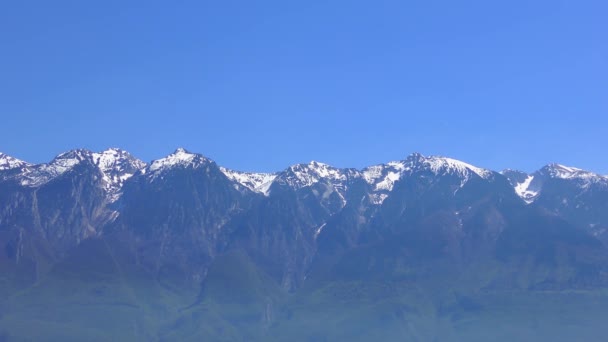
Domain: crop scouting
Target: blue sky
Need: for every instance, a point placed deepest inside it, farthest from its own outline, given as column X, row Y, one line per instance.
column 260, row 85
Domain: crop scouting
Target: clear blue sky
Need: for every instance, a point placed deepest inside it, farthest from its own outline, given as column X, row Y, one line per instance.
column 260, row 85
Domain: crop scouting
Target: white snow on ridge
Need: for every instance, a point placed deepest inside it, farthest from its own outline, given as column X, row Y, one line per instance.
column 437, row 164
column 568, row 172
column 388, row 182
column 179, row 157
column 308, row 174
column 116, row 167
column 383, row 177
column 303, row 175
column 372, row 173
column 114, row 159
column 584, row 178
column 7, row 162
column 326, row 171
column 257, row 182
column 530, row 188
column 42, row 173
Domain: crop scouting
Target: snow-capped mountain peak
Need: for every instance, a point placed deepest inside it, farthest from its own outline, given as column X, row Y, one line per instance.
column 116, row 167
column 529, row 187
column 40, row 174
column 296, row 176
column 567, row 172
column 257, row 182
column 303, row 175
column 180, row 158
column 583, row 178
column 383, row 177
column 440, row 165
column 116, row 159
column 7, row 162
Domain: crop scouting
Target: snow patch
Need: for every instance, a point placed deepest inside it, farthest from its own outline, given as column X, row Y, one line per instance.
column 7, row 162
column 388, row 182
column 523, row 190
column 257, row 182
column 383, row 177
column 116, row 166
column 377, row 199
column 439, row 164
column 320, row 229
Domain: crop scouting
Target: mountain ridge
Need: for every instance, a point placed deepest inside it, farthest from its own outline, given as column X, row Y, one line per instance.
column 181, row 243
column 380, row 176
column 552, row 165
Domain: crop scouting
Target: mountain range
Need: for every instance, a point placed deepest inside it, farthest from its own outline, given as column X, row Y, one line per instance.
column 101, row 245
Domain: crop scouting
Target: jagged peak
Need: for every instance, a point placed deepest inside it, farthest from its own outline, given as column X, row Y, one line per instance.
column 76, row 155
column 302, row 175
column 383, row 177
column 314, row 163
column 63, row 162
column 437, row 164
column 115, row 165
column 116, row 151
column 8, row 162
column 112, row 157
column 415, row 155
column 181, row 150
column 297, row 176
column 181, row 157
column 556, row 170
column 530, row 186
column 319, row 170
column 583, row 177
column 105, row 159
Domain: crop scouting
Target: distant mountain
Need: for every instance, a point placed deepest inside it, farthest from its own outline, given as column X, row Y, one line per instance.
column 184, row 249
column 578, row 196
